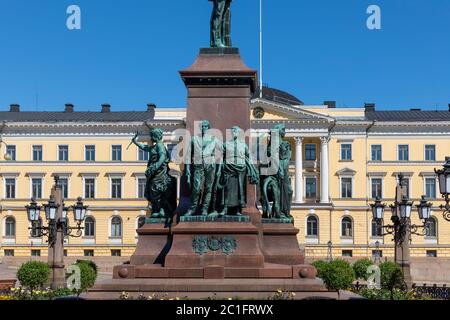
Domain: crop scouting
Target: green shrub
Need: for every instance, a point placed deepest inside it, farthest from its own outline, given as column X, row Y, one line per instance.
column 391, row 277
column 33, row 274
column 338, row 275
column 360, row 267
column 90, row 263
column 320, row 266
column 88, row 276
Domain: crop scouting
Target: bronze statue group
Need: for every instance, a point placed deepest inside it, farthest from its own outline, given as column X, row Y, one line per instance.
column 217, row 174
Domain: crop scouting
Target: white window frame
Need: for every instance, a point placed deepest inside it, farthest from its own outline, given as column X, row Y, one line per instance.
column 37, row 176
column 68, row 152
column 304, row 186
column 371, row 147
column 340, row 186
column 95, row 152
column 345, row 239
column 436, row 186
column 433, row 240
column 121, row 152
column 398, row 153
column 90, row 176
column 312, row 239
column 382, row 186
column 32, row 151
column 425, row 152
column 10, row 176
column 351, row 151
column 15, row 148
column 138, row 176
column 115, row 240
column 5, row 237
column 67, row 177
column 116, row 176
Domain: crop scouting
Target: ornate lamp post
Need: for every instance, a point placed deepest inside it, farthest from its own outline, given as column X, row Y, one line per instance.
column 444, row 186
column 401, row 227
column 330, row 251
column 58, row 227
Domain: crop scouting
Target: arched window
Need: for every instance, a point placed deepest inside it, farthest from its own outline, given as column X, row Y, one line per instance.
column 116, row 227
column 89, row 227
column 36, row 232
column 10, row 227
column 347, row 227
column 312, row 226
column 141, row 222
column 431, row 228
column 377, row 228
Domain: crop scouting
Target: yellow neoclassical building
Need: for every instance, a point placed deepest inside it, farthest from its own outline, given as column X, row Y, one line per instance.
column 343, row 158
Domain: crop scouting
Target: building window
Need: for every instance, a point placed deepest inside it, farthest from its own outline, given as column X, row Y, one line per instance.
column 36, row 188
column 65, row 253
column 143, row 155
column 430, row 152
column 116, row 253
column 346, row 187
column 312, row 226
column 64, row 183
column 432, row 253
column 116, row 188
column 431, row 228
column 377, row 228
column 89, row 188
column 376, row 152
column 377, row 188
column 35, row 253
column 116, row 227
column 347, row 253
column 89, row 152
column 311, row 188
column 141, row 222
column 430, row 188
column 377, row 253
column 37, row 153
column 116, row 153
column 10, row 185
column 35, row 229
column 346, row 152
column 10, row 227
column 310, row 152
column 89, row 227
column 347, row 227
column 142, row 182
column 403, row 152
column 9, row 253
column 406, row 184
column 63, row 153
column 88, row 253
column 11, row 150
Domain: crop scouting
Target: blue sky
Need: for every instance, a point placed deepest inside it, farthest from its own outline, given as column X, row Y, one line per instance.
column 128, row 53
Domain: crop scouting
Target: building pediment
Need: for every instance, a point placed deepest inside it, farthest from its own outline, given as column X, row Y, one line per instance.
column 280, row 111
column 346, row 172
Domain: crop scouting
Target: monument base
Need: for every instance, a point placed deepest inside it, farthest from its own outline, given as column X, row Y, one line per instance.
column 204, row 288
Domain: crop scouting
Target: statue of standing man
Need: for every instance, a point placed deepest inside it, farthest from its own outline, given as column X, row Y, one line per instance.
column 221, row 24
column 202, row 170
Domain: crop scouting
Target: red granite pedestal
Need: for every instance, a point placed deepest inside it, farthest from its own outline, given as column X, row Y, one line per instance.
column 244, row 256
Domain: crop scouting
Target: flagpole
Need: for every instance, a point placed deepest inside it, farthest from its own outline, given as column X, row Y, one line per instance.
column 260, row 51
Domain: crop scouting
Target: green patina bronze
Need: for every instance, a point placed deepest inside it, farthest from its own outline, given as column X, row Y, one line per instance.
column 160, row 189
column 221, row 24
column 202, row 171
column 277, row 190
column 204, row 244
column 237, row 166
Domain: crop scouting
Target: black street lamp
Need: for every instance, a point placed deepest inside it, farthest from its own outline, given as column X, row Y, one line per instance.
column 444, row 186
column 401, row 217
column 54, row 224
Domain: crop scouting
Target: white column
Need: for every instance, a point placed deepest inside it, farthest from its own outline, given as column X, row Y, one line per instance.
column 298, row 169
column 324, row 191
